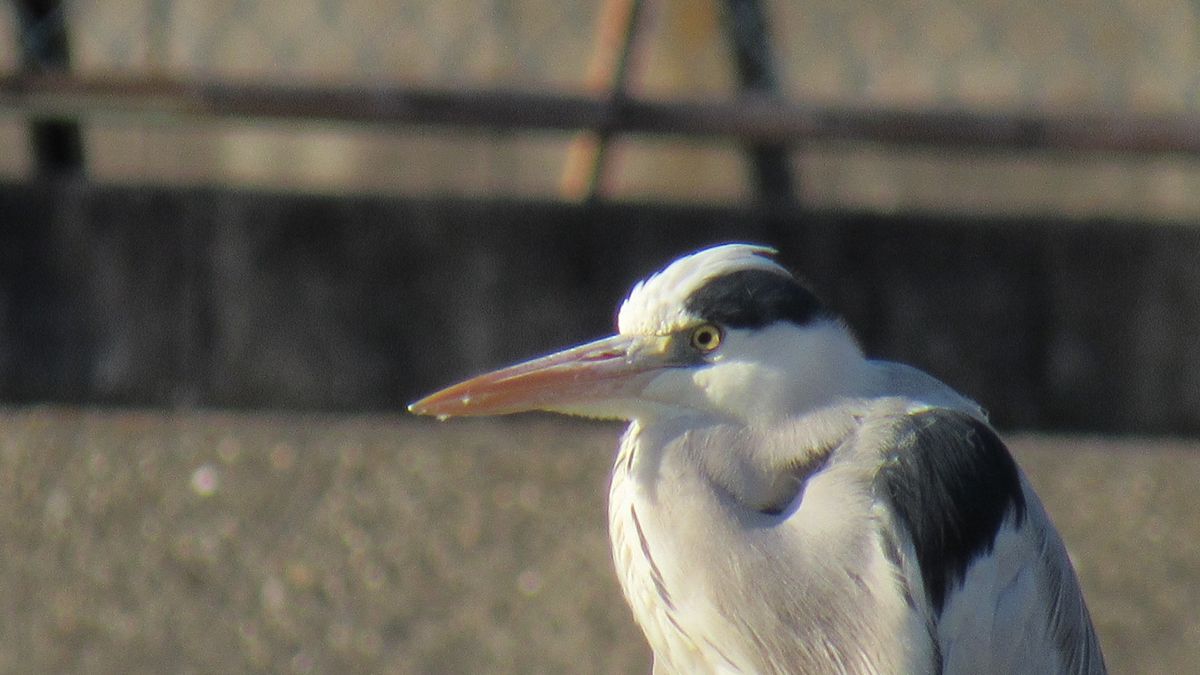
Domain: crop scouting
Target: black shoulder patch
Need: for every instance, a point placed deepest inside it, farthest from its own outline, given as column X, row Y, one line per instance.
column 951, row 481
column 755, row 298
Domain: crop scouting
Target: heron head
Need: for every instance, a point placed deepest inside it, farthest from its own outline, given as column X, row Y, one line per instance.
column 726, row 331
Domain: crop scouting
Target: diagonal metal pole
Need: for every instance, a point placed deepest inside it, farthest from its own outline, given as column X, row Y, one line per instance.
column 608, row 75
column 57, row 144
column 748, row 30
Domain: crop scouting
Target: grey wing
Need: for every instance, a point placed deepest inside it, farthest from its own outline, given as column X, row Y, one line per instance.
column 1067, row 616
column 978, row 548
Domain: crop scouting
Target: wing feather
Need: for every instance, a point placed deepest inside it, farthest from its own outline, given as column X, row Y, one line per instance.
column 1001, row 591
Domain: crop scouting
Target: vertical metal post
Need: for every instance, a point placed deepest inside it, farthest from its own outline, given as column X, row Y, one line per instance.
column 746, row 24
column 57, row 144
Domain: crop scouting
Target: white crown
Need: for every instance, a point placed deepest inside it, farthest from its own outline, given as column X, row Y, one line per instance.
column 657, row 304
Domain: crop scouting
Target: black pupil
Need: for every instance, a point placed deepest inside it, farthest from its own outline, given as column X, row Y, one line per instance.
column 704, row 337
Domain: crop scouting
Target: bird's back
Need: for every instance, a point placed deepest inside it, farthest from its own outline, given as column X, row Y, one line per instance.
column 997, row 583
column 909, row 542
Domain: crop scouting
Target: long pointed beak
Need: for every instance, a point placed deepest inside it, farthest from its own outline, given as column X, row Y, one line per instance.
column 580, row 380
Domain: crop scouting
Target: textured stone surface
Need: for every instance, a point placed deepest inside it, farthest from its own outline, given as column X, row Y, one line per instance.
column 213, row 542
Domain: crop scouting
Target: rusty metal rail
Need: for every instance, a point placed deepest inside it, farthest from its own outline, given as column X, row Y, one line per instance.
column 747, row 118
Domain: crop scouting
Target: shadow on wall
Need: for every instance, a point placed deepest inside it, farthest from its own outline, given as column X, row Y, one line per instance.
column 214, row 298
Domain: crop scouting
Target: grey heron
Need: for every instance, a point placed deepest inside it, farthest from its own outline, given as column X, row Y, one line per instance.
column 780, row 503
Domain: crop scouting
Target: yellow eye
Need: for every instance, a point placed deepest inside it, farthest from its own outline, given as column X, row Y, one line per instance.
column 706, row 338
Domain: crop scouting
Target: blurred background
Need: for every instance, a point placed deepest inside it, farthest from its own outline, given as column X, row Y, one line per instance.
column 237, row 237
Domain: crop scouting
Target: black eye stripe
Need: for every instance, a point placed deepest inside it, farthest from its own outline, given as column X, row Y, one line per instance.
column 755, row 298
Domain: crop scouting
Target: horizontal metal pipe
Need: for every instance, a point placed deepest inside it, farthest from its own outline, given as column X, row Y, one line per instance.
column 746, row 118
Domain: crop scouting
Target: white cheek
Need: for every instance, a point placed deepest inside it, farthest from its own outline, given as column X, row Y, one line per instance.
column 679, row 387
column 724, row 384
column 740, row 388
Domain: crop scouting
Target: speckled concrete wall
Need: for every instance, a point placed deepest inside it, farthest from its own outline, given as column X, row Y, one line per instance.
column 143, row 542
